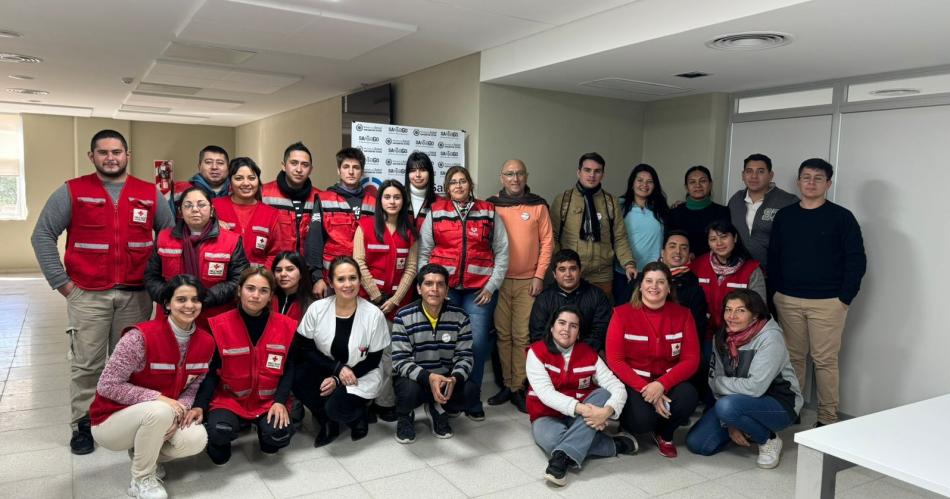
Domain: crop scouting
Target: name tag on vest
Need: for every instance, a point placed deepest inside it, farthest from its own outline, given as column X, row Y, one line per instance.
column 215, row 269
column 260, row 243
column 703, row 280
column 274, row 361
column 139, row 215
column 736, row 285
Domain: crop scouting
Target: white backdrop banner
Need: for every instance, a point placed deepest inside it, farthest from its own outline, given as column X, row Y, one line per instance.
column 387, row 146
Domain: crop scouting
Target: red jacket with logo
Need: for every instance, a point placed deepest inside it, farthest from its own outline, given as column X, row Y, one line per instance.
column 106, row 244
column 574, row 380
column 386, row 259
column 250, row 373
column 715, row 291
column 645, row 345
column 464, row 247
column 260, row 239
column 291, row 235
column 340, row 222
column 165, row 371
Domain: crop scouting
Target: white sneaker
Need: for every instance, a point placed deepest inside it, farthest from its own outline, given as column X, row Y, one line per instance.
column 770, row 453
column 148, row 487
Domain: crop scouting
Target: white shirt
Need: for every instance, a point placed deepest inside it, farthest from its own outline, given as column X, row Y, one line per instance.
column 542, row 386
column 750, row 209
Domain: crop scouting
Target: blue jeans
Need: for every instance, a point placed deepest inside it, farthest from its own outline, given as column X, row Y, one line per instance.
column 481, row 319
column 757, row 417
column 572, row 436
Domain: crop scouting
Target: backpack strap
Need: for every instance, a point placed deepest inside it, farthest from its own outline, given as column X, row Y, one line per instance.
column 565, row 207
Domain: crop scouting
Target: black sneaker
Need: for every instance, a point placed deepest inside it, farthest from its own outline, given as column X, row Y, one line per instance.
column 387, row 414
column 405, row 431
column 519, row 399
column 82, row 443
column 626, row 445
column 500, row 398
column 440, row 422
column 475, row 415
column 556, row 471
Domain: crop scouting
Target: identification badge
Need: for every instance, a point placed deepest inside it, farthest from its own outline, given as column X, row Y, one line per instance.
column 473, row 232
column 446, row 337
column 600, row 216
column 215, row 269
column 400, row 263
column 525, row 216
column 274, row 361
column 139, row 215
column 676, row 348
column 583, row 383
column 260, row 243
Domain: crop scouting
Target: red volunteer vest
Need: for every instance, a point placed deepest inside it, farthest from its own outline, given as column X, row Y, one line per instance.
column 386, row 259
column 250, row 373
column 109, row 245
column 260, row 239
column 291, row 235
column 464, row 247
column 214, row 260
column 574, row 380
column 165, row 370
column 340, row 222
column 293, row 309
column 421, row 217
column 715, row 291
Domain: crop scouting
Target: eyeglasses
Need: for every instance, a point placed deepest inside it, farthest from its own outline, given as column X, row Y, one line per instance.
column 514, row 174
column 458, row 182
column 191, row 206
column 817, row 179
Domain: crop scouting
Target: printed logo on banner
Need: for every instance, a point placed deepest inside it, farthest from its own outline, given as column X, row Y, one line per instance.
column 448, row 133
column 389, row 162
column 398, row 129
column 424, row 142
column 398, row 150
column 416, row 132
column 359, row 127
column 368, row 138
column 372, row 160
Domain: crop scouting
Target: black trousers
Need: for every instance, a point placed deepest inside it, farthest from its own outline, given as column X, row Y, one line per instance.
column 339, row 406
column 640, row 417
column 224, row 427
column 410, row 394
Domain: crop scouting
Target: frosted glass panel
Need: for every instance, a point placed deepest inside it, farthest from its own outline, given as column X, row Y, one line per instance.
column 804, row 98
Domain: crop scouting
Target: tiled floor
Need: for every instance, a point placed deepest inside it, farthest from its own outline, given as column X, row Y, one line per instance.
column 494, row 458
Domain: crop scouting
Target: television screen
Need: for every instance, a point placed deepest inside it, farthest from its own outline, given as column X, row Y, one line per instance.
column 373, row 105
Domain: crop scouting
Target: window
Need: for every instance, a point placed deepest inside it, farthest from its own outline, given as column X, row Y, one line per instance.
column 12, row 188
column 905, row 87
column 804, row 98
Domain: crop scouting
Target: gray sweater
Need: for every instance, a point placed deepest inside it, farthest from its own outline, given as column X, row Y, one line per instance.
column 55, row 218
column 763, row 369
column 758, row 241
column 418, row 349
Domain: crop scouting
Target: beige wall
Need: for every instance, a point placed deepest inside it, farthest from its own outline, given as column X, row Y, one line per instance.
column 550, row 130
column 54, row 150
column 686, row 131
column 317, row 125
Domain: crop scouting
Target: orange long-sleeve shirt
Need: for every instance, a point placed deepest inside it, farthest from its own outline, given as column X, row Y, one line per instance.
column 530, row 240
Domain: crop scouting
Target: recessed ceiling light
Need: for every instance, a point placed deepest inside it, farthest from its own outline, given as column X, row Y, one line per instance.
column 5, row 33
column 750, row 40
column 27, row 91
column 21, row 77
column 692, row 74
column 19, row 58
column 895, row 92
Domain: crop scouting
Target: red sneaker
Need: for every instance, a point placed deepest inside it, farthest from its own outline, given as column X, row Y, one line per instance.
column 666, row 447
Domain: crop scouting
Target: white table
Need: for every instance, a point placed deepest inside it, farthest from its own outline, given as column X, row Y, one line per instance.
column 910, row 443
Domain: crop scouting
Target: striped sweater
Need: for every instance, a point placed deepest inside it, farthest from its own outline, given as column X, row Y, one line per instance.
column 418, row 349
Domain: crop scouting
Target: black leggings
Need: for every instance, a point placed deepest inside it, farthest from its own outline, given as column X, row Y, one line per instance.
column 638, row 416
column 224, row 426
column 339, row 406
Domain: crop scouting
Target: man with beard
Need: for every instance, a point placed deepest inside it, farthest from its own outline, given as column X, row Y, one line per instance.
column 110, row 219
column 293, row 195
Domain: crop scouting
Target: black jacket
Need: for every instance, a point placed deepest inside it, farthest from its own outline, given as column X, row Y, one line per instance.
column 592, row 301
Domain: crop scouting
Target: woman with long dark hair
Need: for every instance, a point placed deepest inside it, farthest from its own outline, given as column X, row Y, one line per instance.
column 420, row 181
column 645, row 212
column 292, row 295
column 244, row 213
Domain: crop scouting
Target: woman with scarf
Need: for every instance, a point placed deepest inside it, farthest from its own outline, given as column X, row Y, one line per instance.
column 420, row 179
column 197, row 245
column 464, row 235
column 338, row 350
column 757, row 393
column 645, row 212
column 244, row 213
column 651, row 347
column 698, row 211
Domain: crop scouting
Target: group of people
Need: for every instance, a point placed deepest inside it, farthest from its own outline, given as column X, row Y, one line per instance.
column 363, row 303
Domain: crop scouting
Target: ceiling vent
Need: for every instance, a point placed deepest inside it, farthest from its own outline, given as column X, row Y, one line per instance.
column 19, row 58
column 144, row 109
column 161, row 88
column 625, row 85
column 751, row 40
column 27, row 91
column 693, row 74
column 895, row 92
column 21, row 77
column 207, row 53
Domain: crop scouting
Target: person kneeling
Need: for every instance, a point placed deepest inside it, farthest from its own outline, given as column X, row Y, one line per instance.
column 148, row 385
column 338, row 348
column 757, row 393
column 432, row 357
column 572, row 394
column 251, row 374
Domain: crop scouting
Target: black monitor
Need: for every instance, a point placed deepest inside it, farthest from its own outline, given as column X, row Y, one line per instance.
column 373, row 105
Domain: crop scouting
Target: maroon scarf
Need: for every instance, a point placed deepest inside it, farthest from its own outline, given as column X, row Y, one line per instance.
column 189, row 247
column 739, row 338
